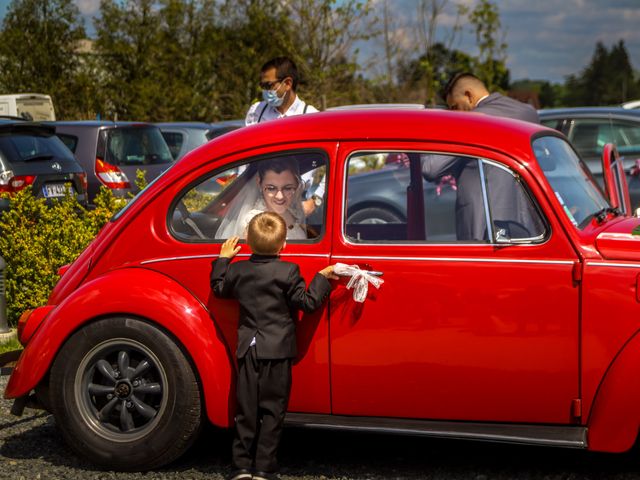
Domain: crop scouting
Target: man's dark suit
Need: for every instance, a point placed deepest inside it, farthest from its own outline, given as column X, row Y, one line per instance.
column 270, row 292
column 507, row 205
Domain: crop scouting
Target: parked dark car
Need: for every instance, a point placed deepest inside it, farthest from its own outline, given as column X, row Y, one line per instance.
column 182, row 137
column 32, row 156
column 112, row 152
column 589, row 129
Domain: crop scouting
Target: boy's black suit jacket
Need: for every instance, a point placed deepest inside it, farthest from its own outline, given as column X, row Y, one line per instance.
column 270, row 292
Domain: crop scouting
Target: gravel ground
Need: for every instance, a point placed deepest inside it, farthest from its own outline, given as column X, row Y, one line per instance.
column 32, row 448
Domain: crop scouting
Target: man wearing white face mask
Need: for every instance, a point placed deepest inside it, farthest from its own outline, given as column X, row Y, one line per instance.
column 278, row 81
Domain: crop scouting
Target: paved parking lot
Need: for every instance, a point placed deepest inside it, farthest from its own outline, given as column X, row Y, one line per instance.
column 31, row 448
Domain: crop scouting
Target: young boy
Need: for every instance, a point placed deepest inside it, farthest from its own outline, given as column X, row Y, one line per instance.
column 269, row 291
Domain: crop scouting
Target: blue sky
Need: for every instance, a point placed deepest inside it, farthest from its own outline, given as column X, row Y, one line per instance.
column 547, row 39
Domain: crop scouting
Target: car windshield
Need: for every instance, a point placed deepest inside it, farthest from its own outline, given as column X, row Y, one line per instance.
column 24, row 147
column 571, row 180
column 119, row 213
column 137, row 146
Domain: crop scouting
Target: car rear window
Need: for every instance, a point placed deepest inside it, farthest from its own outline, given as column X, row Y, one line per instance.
column 137, row 146
column 174, row 141
column 28, row 146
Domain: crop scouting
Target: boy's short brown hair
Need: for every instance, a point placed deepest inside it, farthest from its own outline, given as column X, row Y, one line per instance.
column 266, row 233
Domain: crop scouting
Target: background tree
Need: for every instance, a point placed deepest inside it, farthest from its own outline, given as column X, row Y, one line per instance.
column 325, row 35
column 128, row 44
column 252, row 32
column 490, row 64
column 38, row 45
column 433, row 63
column 186, row 62
column 607, row 80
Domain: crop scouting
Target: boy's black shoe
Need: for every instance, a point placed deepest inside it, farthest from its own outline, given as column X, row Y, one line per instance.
column 266, row 476
column 240, row 474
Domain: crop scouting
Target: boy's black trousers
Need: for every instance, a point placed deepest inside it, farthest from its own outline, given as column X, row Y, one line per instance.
column 262, row 395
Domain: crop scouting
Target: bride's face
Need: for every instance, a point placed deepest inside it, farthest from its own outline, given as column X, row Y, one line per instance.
column 278, row 190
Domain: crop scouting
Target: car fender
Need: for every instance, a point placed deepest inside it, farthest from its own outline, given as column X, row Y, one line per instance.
column 146, row 294
column 614, row 418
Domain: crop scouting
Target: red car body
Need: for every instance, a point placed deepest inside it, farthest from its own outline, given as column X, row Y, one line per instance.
column 530, row 343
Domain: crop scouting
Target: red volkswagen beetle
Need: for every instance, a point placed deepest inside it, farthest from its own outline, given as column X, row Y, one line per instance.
column 511, row 317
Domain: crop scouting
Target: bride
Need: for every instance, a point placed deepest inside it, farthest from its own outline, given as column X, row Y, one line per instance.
column 276, row 187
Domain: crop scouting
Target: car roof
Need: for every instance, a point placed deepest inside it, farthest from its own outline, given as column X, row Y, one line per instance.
column 202, row 125
column 374, row 106
column 408, row 125
column 98, row 123
column 198, row 125
column 17, row 126
column 589, row 111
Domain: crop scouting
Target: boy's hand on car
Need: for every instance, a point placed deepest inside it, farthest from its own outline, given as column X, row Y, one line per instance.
column 230, row 248
column 328, row 273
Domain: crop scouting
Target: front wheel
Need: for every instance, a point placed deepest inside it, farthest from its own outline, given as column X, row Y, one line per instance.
column 124, row 395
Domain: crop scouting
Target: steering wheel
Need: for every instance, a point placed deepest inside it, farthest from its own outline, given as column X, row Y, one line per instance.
column 186, row 219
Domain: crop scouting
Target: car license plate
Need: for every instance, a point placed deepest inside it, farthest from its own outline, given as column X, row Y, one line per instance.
column 52, row 190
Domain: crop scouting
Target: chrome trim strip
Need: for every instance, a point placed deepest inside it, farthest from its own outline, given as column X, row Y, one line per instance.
column 215, row 255
column 169, row 259
column 485, row 200
column 565, row 436
column 611, row 264
column 449, row 259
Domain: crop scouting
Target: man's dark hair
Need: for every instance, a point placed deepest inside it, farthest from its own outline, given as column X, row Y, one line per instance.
column 455, row 79
column 285, row 67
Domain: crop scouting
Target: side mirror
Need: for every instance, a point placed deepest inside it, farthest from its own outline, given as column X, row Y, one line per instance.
column 615, row 180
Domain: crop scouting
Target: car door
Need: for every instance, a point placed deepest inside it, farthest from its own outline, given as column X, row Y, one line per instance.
column 195, row 218
column 481, row 329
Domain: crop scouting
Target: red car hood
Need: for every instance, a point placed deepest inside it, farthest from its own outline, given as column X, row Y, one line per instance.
column 621, row 241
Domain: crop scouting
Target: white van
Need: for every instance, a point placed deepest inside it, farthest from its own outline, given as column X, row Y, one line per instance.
column 28, row 106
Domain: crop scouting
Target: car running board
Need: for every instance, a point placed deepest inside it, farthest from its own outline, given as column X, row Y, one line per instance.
column 549, row 435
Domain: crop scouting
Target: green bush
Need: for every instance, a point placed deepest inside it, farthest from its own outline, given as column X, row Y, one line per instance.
column 36, row 240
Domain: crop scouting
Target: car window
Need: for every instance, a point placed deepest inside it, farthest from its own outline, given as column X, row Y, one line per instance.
column 22, row 147
column 221, row 204
column 589, row 136
column 174, row 141
column 71, row 141
column 137, row 146
column 571, row 180
column 551, row 123
column 414, row 197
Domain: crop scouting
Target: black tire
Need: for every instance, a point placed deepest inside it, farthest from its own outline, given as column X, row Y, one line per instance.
column 139, row 420
column 374, row 215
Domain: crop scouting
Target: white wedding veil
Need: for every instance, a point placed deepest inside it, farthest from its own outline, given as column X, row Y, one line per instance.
column 248, row 202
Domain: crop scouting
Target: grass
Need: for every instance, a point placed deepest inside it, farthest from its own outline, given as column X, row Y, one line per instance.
column 12, row 344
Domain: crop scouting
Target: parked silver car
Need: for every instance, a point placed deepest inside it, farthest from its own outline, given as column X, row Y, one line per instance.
column 590, row 128
column 182, row 137
column 112, row 152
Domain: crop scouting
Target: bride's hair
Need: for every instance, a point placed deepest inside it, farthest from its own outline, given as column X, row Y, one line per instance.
column 279, row 165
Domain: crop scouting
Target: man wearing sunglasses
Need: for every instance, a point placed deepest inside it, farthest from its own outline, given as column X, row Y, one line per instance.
column 278, row 82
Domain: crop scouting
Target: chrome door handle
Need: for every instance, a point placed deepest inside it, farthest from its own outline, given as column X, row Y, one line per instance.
column 375, row 273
